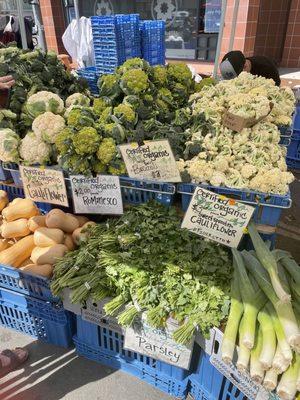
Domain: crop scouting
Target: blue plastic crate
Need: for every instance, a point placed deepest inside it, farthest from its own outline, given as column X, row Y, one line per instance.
column 5, row 175
column 166, row 384
column 13, row 169
column 138, row 192
column 293, row 162
column 90, row 74
column 296, row 119
column 268, row 207
column 296, row 134
column 25, row 283
column 294, row 148
column 40, row 319
column 207, row 383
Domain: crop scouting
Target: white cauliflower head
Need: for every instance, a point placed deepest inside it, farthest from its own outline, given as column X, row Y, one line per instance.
column 43, row 101
column 248, row 170
column 9, row 144
column 47, row 126
column 218, row 178
column 34, row 151
column 77, row 99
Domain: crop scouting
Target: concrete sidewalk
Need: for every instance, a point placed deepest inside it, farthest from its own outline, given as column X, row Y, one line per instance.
column 53, row 373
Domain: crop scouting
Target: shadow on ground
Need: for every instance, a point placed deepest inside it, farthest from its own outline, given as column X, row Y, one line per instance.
column 51, row 375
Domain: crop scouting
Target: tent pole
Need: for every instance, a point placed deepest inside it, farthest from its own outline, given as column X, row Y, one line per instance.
column 220, row 37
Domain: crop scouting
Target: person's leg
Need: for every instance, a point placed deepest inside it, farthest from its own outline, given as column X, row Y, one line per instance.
column 11, row 360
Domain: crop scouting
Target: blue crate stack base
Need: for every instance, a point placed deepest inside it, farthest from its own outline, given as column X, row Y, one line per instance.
column 90, row 74
column 153, row 41
column 105, row 346
column 293, row 152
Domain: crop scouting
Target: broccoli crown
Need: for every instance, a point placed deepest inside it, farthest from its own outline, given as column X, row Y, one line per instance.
column 100, row 105
column 86, row 141
column 134, row 81
column 125, row 113
column 133, row 63
column 159, row 75
column 63, row 140
column 179, row 73
column 107, row 150
column 109, row 86
column 80, row 117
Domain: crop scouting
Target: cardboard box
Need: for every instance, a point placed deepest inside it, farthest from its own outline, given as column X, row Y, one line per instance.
column 237, row 123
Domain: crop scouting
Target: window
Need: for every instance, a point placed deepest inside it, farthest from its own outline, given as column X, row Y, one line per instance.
column 191, row 25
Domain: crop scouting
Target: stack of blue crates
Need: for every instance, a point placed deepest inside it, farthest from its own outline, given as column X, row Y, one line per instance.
column 91, row 76
column 293, row 152
column 116, row 39
column 153, row 41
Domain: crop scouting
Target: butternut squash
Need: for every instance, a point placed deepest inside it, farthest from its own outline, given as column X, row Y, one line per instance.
column 45, row 237
column 39, row 221
column 81, row 219
column 15, row 201
column 15, row 229
column 18, row 252
column 69, row 242
column 58, row 219
column 48, row 255
column 3, row 199
column 78, row 235
column 24, row 208
column 4, row 244
column 45, row 270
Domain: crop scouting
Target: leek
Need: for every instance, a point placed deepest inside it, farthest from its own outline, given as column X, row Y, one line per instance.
column 280, row 335
column 243, row 351
column 270, row 380
column 269, row 339
column 280, row 364
column 256, row 370
column 267, row 259
column 290, row 265
column 287, row 387
column 253, row 301
column 298, row 381
column 284, row 311
column 235, row 315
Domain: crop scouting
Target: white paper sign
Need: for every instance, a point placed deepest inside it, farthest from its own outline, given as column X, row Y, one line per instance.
column 94, row 312
column 217, row 217
column 44, row 185
column 154, row 161
column 158, row 344
column 98, row 195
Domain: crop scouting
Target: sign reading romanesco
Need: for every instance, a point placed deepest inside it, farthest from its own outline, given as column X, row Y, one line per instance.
column 217, row 217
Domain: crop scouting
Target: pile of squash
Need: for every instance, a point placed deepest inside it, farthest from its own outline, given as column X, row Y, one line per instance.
column 33, row 242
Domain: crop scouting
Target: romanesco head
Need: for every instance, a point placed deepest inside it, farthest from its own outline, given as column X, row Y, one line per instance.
column 134, row 81
column 76, row 164
column 109, row 86
column 100, row 105
column 63, row 140
column 99, row 167
column 159, row 75
column 105, row 117
column 115, row 131
column 133, row 63
column 86, row 141
column 117, row 167
column 107, row 150
column 80, row 117
column 179, row 73
column 125, row 114
column 165, row 94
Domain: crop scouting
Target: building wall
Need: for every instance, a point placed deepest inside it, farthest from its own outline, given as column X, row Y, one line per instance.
column 291, row 53
column 271, row 28
column 54, row 24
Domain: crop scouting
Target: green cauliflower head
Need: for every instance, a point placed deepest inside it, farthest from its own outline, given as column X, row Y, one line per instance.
column 9, row 144
column 125, row 115
column 134, row 63
column 100, row 105
column 109, row 86
column 179, row 73
column 134, row 82
column 115, row 131
column 34, row 151
column 48, row 126
column 43, row 101
column 63, row 140
column 86, row 141
column 80, row 117
column 77, row 99
column 107, row 150
column 159, row 75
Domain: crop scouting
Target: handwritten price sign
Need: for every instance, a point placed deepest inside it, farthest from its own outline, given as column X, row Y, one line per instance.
column 154, row 161
column 44, row 185
column 217, row 217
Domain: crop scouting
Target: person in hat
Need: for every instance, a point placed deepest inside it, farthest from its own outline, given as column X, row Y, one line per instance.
column 235, row 62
